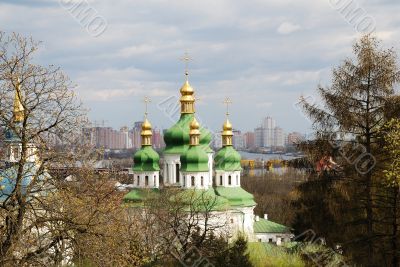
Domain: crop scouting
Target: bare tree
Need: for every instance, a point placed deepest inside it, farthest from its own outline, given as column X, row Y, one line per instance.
column 45, row 220
column 176, row 223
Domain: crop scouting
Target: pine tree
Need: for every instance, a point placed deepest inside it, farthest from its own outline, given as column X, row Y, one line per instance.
column 354, row 109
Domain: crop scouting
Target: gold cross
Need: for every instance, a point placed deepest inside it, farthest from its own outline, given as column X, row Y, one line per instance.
column 227, row 102
column 186, row 58
column 146, row 101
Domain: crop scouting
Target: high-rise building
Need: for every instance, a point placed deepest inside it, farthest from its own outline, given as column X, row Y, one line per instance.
column 294, row 138
column 269, row 135
column 216, row 140
column 136, row 138
column 249, row 140
column 157, row 139
column 279, row 137
column 259, row 137
column 238, row 139
column 268, row 126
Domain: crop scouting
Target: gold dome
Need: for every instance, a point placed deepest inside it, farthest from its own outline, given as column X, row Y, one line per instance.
column 187, row 89
column 18, row 107
column 194, row 127
column 227, row 133
column 227, row 126
column 146, row 127
column 187, row 98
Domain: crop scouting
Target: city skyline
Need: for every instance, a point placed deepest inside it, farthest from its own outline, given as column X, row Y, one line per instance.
column 124, row 137
column 263, row 55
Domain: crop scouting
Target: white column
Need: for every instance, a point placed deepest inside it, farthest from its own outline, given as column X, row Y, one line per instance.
column 169, row 174
column 210, row 167
column 165, row 174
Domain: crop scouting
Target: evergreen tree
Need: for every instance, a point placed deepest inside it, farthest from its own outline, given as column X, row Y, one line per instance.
column 355, row 107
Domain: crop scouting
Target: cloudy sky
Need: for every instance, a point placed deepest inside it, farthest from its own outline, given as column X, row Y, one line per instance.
column 263, row 54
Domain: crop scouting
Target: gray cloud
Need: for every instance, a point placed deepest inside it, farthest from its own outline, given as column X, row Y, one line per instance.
column 263, row 54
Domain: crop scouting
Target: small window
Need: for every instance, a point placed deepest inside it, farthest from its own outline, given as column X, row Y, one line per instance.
column 220, row 180
column 146, row 180
column 232, row 220
column 259, row 240
column 138, row 180
column 270, row 240
column 237, row 179
column 192, row 184
column 229, row 180
column 154, row 181
column 202, row 181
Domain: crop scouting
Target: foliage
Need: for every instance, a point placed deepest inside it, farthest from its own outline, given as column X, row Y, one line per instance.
column 352, row 207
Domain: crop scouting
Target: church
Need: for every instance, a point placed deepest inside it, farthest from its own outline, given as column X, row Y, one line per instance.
column 189, row 163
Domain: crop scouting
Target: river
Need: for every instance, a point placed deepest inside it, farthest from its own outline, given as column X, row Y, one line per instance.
column 259, row 156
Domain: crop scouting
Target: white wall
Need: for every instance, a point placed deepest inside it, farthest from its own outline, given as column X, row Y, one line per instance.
column 235, row 178
column 169, row 172
column 186, row 180
column 276, row 238
column 139, row 179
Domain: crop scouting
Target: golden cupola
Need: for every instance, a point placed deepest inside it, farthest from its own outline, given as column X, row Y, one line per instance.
column 187, row 97
column 227, row 133
column 194, row 132
column 18, row 112
column 146, row 133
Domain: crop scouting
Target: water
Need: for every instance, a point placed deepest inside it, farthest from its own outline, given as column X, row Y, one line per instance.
column 266, row 157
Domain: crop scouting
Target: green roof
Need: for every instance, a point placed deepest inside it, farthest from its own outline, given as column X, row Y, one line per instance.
column 146, row 159
column 177, row 137
column 237, row 196
column 205, row 199
column 194, row 160
column 227, row 159
column 267, row 226
column 138, row 195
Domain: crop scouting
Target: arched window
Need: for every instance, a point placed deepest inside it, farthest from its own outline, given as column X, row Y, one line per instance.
column 192, row 182
column 229, row 180
column 146, row 180
column 202, row 181
column 220, row 180
column 138, row 180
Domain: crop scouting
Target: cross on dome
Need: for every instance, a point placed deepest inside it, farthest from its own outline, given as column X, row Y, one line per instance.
column 186, row 58
column 146, row 101
column 227, row 102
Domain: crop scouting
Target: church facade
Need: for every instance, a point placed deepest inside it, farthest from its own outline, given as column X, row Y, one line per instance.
column 190, row 164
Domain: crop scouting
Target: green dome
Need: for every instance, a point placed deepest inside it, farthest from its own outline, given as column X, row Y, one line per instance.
column 202, row 200
column 177, row 137
column 194, row 160
column 146, row 159
column 205, row 140
column 237, row 196
column 227, row 159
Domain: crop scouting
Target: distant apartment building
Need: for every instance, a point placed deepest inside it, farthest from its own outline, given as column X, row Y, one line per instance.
column 217, row 140
column 268, row 126
column 249, row 140
column 269, row 135
column 279, row 137
column 294, row 138
column 259, row 137
column 136, row 137
column 157, row 139
column 109, row 138
column 238, row 139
